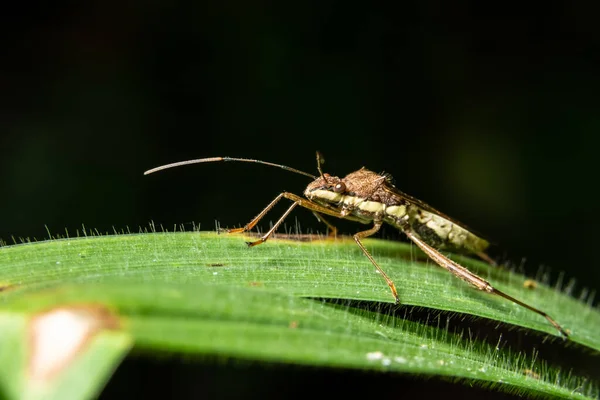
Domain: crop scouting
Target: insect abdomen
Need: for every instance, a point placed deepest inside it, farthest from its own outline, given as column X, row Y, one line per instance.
column 443, row 234
column 436, row 231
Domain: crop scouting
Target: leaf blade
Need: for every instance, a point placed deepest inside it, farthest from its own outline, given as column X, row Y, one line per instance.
column 156, row 281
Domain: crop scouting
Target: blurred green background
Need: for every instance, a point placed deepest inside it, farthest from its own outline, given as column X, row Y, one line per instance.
column 489, row 114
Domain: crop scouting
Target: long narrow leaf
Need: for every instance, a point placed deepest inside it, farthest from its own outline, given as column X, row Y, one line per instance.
column 202, row 293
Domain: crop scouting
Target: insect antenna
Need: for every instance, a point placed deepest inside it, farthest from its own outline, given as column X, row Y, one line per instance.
column 226, row 159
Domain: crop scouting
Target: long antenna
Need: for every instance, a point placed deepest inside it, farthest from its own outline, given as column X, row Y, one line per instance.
column 226, row 159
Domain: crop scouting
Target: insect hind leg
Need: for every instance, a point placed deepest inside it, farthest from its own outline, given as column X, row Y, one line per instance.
column 473, row 279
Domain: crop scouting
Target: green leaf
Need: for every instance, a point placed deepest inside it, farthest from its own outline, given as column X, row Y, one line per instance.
column 203, row 293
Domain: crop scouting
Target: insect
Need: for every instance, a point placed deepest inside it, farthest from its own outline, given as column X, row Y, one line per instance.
column 368, row 197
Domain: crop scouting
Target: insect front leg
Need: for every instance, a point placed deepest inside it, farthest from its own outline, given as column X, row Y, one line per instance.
column 298, row 201
column 367, row 233
column 255, row 220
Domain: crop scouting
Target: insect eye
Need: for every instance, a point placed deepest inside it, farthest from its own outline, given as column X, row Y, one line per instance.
column 340, row 187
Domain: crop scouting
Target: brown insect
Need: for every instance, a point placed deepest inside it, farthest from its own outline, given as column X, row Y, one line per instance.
column 368, row 197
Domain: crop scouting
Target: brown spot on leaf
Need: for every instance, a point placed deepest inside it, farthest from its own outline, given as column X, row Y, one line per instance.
column 215, row 265
column 293, row 324
column 58, row 335
column 6, row 286
column 255, row 284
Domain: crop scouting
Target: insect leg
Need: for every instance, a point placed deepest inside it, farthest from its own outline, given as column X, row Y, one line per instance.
column 367, row 233
column 332, row 228
column 295, row 198
column 298, row 201
column 471, row 278
column 485, row 257
column 274, row 228
column 255, row 220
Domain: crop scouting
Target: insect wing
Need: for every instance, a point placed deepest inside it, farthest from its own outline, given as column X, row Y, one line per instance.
column 426, row 207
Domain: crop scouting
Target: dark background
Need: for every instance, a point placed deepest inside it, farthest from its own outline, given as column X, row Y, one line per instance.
column 488, row 113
